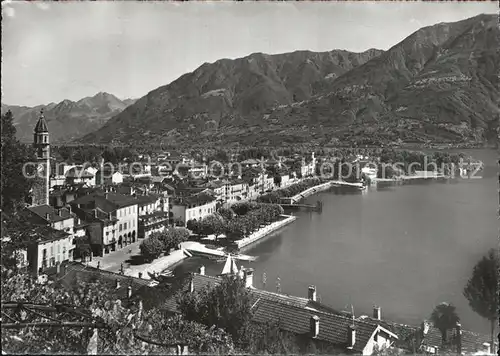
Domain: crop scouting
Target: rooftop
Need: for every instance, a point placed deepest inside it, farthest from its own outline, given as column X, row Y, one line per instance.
column 77, row 271
column 78, row 172
column 199, row 199
column 41, row 125
column 294, row 313
column 54, row 215
column 108, row 202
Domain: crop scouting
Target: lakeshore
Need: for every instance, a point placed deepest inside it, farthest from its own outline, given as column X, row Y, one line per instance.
column 200, row 249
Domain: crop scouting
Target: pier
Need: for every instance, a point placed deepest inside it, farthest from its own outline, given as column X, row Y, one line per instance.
column 318, row 207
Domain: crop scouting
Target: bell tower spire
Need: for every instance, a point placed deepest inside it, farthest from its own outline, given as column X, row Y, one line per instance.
column 41, row 145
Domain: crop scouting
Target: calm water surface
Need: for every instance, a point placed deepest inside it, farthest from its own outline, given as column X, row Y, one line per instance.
column 404, row 248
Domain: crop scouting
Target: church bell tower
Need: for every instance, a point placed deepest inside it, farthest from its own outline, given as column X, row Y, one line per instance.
column 42, row 147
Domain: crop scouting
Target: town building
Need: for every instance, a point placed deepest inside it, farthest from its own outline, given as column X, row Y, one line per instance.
column 236, row 190
column 56, row 246
column 153, row 214
column 80, row 175
column 51, row 247
column 108, row 176
column 117, row 215
column 195, row 207
column 308, row 169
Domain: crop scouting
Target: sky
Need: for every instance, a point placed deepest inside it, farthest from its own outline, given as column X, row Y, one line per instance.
column 55, row 51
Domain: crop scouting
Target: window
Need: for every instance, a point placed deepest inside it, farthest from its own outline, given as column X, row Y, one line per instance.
column 120, row 227
column 125, row 226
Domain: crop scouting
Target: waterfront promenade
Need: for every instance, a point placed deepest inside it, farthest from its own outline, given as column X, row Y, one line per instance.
column 126, row 256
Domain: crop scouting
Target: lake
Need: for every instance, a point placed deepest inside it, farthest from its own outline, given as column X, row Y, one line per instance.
column 405, row 248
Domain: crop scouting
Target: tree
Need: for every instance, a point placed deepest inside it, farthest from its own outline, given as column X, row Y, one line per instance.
column 213, row 224
column 152, row 247
column 15, row 185
column 444, row 317
column 198, row 337
column 235, row 229
column 481, row 290
column 226, row 213
column 194, row 226
column 225, row 306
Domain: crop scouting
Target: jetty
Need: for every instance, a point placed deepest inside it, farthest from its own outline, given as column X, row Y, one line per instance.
column 197, row 249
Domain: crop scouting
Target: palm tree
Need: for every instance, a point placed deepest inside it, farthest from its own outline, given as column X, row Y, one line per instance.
column 444, row 317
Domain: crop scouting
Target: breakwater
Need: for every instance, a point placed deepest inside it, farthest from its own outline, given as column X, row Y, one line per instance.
column 265, row 231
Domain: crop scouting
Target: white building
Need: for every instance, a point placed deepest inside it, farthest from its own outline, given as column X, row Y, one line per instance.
column 108, row 177
column 193, row 208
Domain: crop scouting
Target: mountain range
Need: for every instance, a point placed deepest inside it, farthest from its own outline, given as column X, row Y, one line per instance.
column 68, row 119
column 438, row 85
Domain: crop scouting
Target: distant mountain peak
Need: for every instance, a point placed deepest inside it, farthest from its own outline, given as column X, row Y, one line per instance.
column 68, row 119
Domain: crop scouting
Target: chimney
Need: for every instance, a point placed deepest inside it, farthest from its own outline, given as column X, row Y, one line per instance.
column 458, row 331
column 140, row 274
column 191, row 285
column 129, row 291
column 351, row 336
column 314, row 326
column 95, row 213
column 376, row 313
column 117, row 284
column 248, row 273
column 47, row 216
column 311, row 295
column 58, row 212
column 106, row 195
column 69, row 209
column 201, row 270
column 79, row 221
